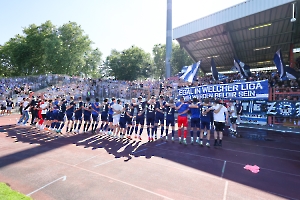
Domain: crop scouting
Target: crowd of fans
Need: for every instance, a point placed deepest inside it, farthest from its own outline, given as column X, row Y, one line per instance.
column 290, row 89
column 58, row 85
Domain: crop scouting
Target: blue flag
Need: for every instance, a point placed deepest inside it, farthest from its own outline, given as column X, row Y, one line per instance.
column 243, row 69
column 190, row 72
column 215, row 74
column 279, row 64
column 291, row 73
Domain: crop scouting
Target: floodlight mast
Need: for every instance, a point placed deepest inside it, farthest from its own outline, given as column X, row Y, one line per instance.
column 169, row 36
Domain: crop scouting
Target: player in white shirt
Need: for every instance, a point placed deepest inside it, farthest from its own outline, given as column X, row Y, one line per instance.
column 117, row 108
column 220, row 117
column 44, row 108
column 233, row 116
column 25, row 116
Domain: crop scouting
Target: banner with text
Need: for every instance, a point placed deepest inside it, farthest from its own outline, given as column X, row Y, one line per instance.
column 289, row 109
column 254, row 112
column 238, row 90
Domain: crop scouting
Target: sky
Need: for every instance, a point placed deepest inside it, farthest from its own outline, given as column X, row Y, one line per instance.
column 110, row 24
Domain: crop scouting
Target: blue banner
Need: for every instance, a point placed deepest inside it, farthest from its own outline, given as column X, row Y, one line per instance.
column 290, row 109
column 254, row 112
column 238, row 90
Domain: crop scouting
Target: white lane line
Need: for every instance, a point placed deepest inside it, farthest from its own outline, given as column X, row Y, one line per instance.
column 218, row 159
column 106, row 162
column 86, row 160
column 225, row 190
column 139, row 151
column 161, row 144
column 287, row 197
column 92, row 137
column 261, row 155
column 223, row 169
column 168, row 166
column 265, row 146
column 108, row 177
column 63, row 179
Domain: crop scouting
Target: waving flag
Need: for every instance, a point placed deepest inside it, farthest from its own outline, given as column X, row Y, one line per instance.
column 291, row 73
column 247, row 70
column 190, row 72
column 279, row 64
column 215, row 74
column 243, row 69
column 214, row 71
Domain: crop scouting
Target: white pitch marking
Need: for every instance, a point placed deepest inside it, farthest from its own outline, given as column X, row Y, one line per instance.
column 120, row 181
column 223, row 169
column 228, row 161
column 86, row 160
column 161, row 144
column 225, row 190
column 139, row 150
column 106, row 162
column 63, row 179
column 124, row 147
column 87, row 139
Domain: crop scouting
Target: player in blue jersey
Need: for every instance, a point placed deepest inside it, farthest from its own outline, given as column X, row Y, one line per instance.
column 123, row 120
column 78, row 115
column 104, row 116
column 129, row 118
column 160, row 116
column 170, row 119
column 140, row 117
column 61, row 115
column 110, row 116
column 87, row 112
column 95, row 114
column 150, row 118
column 206, row 115
column 55, row 110
column 49, row 116
column 195, row 119
column 70, row 113
column 182, row 121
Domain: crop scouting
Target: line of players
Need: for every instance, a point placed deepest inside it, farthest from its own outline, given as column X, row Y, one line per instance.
column 117, row 119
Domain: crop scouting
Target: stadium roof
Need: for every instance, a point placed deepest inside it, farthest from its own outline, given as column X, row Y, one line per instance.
column 252, row 31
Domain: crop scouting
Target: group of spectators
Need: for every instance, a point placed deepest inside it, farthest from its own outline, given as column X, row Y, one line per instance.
column 290, row 89
column 17, row 88
column 20, row 86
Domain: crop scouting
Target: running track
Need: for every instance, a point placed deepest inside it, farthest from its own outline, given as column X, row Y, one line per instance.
column 52, row 166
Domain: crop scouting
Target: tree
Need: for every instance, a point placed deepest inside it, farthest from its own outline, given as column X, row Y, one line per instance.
column 69, row 51
column 179, row 59
column 47, row 49
column 130, row 64
column 159, row 57
column 92, row 63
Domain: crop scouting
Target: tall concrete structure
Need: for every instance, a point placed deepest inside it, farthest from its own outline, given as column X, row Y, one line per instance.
column 169, row 39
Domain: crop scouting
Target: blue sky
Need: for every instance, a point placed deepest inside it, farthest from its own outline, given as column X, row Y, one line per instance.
column 110, row 24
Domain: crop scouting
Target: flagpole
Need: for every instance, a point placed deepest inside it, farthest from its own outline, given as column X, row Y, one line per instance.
column 169, row 39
